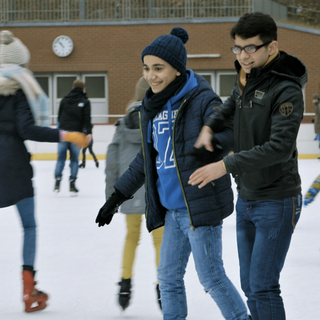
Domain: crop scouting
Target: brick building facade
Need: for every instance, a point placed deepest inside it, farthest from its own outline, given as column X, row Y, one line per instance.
column 114, row 51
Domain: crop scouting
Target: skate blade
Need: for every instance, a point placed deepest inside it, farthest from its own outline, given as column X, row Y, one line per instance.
column 73, row 194
column 32, row 307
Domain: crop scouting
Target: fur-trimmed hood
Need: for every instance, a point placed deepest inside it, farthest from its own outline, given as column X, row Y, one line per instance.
column 8, row 86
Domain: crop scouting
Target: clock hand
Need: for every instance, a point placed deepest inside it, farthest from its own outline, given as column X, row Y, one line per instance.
column 61, row 44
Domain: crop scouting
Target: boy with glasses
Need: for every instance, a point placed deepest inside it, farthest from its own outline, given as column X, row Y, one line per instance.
column 266, row 108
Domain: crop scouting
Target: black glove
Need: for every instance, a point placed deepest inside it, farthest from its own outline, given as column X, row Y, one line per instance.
column 111, row 206
column 205, row 156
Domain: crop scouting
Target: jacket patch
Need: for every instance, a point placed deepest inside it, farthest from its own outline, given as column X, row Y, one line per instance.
column 286, row 109
column 81, row 104
column 258, row 94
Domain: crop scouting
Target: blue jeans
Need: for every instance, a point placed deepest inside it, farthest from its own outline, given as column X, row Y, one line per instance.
column 26, row 212
column 264, row 230
column 63, row 147
column 206, row 246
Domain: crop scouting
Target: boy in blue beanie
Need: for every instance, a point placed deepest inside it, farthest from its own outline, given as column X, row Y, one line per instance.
column 173, row 111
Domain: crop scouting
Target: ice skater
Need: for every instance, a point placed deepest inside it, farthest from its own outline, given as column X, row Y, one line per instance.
column 312, row 191
column 23, row 112
column 90, row 147
column 126, row 143
column 74, row 115
column 266, row 108
column 171, row 116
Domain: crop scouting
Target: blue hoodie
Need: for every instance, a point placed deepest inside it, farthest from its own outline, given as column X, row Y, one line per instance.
column 168, row 184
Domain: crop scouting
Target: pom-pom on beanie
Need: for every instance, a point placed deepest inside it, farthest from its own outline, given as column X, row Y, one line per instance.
column 170, row 48
column 12, row 50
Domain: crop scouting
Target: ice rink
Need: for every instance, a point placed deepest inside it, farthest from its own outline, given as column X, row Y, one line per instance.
column 78, row 264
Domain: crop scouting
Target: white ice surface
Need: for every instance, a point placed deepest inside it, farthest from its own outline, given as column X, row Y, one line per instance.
column 79, row 264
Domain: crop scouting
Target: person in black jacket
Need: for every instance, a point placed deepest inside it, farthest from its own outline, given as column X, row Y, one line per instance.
column 24, row 116
column 172, row 114
column 266, row 109
column 74, row 115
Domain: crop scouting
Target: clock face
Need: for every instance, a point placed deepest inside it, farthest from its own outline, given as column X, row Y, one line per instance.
column 62, row 46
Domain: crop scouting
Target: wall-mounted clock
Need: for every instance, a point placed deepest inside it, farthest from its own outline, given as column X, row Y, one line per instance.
column 62, row 46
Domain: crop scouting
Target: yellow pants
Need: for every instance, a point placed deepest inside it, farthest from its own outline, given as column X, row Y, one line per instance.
column 132, row 242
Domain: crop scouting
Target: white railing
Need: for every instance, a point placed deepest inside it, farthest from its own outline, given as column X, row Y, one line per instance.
column 111, row 10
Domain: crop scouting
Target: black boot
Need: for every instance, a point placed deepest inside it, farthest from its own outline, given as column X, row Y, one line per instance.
column 83, row 164
column 125, row 293
column 74, row 191
column 97, row 163
column 158, row 296
column 57, row 185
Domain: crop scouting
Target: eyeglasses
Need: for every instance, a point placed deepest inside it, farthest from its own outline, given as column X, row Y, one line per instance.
column 248, row 49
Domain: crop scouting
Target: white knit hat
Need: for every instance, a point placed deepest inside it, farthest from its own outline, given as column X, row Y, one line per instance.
column 12, row 50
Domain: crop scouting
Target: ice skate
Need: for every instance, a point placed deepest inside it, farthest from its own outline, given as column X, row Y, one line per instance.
column 125, row 293
column 57, row 185
column 159, row 296
column 73, row 190
column 83, row 164
column 96, row 162
column 33, row 299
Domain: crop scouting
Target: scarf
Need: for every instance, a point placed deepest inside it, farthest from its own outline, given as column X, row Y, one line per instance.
column 154, row 102
column 37, row 99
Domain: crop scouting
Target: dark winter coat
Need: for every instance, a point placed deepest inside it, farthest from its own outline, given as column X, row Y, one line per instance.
column 206, row 206
column 16, row 126
column 75, row 112
column 266, row 119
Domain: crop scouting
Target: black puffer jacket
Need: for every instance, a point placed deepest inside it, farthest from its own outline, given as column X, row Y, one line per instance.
column 75, row 112
column 266, row 118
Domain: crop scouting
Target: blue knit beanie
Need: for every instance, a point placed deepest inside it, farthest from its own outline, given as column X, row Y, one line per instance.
column 170, row 48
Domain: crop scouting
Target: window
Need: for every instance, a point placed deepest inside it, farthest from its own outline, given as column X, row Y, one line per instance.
column 64, row 85
column 95, row 86
column 222, row 82
column 44, row 83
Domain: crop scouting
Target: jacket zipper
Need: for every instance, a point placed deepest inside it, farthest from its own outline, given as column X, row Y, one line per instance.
column 177, row 168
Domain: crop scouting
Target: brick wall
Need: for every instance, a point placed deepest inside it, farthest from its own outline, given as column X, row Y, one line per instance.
column 116, row 49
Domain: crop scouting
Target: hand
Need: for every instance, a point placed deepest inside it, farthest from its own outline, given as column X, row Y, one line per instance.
column 111, row 206
column 78, row 138
column 88, row 139
column 206, row 174
column 205, row 156
column 205, row 138
column 105, row 215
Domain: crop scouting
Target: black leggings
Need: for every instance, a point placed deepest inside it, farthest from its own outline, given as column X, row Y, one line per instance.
column 91, row 152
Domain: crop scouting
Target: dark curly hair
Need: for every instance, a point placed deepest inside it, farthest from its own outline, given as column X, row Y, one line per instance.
column 255, row 24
